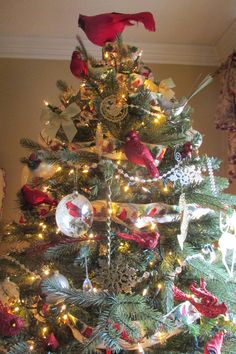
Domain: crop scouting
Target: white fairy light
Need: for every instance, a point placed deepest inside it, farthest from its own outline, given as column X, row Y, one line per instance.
column 140, row 349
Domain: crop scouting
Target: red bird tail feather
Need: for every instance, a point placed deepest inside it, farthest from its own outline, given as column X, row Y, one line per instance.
column 146, row 18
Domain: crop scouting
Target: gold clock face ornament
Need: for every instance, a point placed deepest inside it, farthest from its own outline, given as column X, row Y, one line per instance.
column 112, row 110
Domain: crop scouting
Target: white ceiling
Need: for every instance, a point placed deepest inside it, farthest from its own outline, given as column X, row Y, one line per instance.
column 188, row 31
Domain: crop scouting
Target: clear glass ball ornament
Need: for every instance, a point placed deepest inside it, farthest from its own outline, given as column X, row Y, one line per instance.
column 60, row 281
column 74, row 215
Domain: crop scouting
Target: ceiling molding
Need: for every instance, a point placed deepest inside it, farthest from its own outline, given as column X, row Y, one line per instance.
column 61, row 49
column 227, row 43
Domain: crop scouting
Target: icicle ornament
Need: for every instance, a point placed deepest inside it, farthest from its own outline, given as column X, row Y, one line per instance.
column 185, row 218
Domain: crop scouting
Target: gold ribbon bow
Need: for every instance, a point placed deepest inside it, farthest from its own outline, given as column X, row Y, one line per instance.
column 165, row 88
column 53, row 121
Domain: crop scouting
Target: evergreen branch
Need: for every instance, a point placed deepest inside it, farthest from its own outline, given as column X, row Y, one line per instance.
column 30, row 144
column 61, row 250
column 65, row 156
column 74, row 296
column 20, row 348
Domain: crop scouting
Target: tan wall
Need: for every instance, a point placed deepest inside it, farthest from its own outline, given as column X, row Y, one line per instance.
column 26, row 83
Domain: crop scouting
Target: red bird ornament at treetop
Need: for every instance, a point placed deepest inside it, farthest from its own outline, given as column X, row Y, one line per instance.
column 138, row 153
column 104, row 28
column 78, row 66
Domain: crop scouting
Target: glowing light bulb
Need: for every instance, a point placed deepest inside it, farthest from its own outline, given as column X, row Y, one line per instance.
column 159, row 285
column 153, row 226
column 46, row 103
column 40, row 236
column 71, row 172
column 16, row 309
column 126, row 188
column 165, row 189
column 59, row 168
column 140, row 349
column 46, row 272
column 145, row 291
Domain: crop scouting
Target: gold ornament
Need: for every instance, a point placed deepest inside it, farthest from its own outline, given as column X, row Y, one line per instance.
column 120, row 277
column 113, row 110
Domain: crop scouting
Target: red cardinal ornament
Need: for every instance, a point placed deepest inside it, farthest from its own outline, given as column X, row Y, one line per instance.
column 214, row 345
column 36, row 197
column 10, row 324
column 143, row 239
column 208, row 306
column 73, row 209
column 51, row 343
column 137, row 153
column 106, row 27
column 78, row 66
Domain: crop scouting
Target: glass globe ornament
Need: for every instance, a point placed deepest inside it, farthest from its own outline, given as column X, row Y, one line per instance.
column 74, row 215
column 60, row 281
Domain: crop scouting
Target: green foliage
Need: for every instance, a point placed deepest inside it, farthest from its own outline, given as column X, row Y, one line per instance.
column 20, row 348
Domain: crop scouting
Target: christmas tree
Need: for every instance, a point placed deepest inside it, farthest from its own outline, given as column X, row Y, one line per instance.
column 126, row 241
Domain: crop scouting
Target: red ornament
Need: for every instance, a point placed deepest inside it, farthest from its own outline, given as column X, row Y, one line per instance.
column 187, row 150
column 214, row 345
column 87, row 332
column 143, row 239
column 124, row 334
column 22, row 220
column 123, row 215
column 208, row 306
column 78, row 66
column 36, row 197
column 106, row 27
column 51, row 343
column 10, row 324
column 137, row 153
column 73, row 209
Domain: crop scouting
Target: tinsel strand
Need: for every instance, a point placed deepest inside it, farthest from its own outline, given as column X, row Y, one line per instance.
column 109, row 207
column 20, row 265
column 143, row 180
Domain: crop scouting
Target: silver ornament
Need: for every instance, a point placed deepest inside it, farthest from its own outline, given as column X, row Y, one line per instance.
column 60, row 281
column 74, row 215
column 9, row 292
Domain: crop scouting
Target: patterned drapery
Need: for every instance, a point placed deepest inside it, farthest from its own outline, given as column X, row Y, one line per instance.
column 226, row 110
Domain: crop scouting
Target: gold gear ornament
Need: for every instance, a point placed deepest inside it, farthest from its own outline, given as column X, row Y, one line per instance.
column 112, row 110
